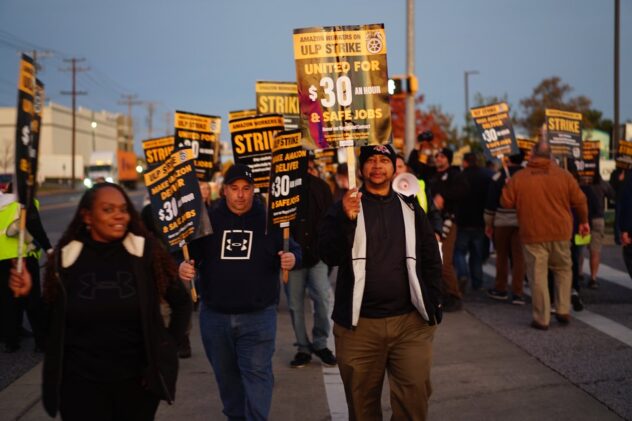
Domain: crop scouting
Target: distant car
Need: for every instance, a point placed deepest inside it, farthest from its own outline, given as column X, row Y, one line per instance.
column 5, row 182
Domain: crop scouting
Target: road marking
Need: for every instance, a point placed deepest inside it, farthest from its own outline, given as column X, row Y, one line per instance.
column 334, row 389
column 603, row 324
column 610, row 274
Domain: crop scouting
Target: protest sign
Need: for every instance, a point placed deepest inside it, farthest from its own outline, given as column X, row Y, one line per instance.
column 279, row 98
column 288, row 190
column 252, row 139
column 175, row 197
column 201, row 133
column 494, row 124
column 564, row 133
column 588, row 165
column 25, row 148
column 326, row 160
column 343, row 85
column 624, row 154
column 157, row 150
column 234, row 115
column 287, row 176
column 526, row 146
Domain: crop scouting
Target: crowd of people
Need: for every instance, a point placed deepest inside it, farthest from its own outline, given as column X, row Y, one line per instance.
column 114, row 312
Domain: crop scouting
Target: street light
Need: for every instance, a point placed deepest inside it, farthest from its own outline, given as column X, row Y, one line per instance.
column 467, row 73
column 94, row 127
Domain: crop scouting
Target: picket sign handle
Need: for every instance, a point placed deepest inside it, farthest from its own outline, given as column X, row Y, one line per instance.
column 502, row 160
column 286, row 248
column 351, row 171
column 21, row 235
column 185, row 251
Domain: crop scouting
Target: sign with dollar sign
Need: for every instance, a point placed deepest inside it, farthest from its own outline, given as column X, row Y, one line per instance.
column 199, row 132
column 288, row 176
column 343, row 85
column 30, row 102
column 176, row 201
column 494, row 125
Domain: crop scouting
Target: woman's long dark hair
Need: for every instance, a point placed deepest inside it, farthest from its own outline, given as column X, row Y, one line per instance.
column 164, row 267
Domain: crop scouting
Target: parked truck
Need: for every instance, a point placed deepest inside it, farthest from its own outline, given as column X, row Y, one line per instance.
column 113, row 166
column 58, row 168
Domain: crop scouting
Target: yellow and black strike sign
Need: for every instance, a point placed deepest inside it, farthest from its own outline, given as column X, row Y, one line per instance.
column 343, row 85
column 157, row 150
column 234, row 115
column 176, row 201
column 624, row 154
column 279, row 98
column 564, row 133
column 25, row 143
column 252, row 139
column 526, row 146
column 201, row 133
column 494, row 125
column 326, row 160
column 287, row 179
column 588, row 165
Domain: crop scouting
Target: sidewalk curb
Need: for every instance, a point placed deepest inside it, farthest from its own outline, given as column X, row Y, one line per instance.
column 22, row 395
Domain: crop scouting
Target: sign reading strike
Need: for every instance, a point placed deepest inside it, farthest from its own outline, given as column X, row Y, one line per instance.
column 157, row 150
column 588, row 165
column 252, row 139
column 30, row 104
column 201, row 133
column 343, row 85
column 564, row 133
column 176, row 200
column 279, row 98
column 289, row 170
column 494, row 125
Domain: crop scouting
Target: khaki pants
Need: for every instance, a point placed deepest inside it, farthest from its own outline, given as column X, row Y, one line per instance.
column 539, row 258
column 399, row 345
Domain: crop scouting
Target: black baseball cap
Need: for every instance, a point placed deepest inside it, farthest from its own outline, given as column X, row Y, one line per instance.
column 238, row 172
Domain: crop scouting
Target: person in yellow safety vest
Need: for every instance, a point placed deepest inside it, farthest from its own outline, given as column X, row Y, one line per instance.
column 11, row 306
column 434, row 216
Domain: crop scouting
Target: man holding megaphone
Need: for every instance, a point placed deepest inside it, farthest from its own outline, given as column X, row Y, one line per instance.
column 388, row 296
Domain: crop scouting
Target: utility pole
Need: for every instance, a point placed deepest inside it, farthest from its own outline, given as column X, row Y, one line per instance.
column 151, row 108
column 130, row 100
column 615, row 129
column 466, row 76
column 409, row 136
column 37, row 54
column 168, row 119
column 74, row 69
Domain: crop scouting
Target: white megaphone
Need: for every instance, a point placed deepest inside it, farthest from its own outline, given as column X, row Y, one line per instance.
column 406, row 184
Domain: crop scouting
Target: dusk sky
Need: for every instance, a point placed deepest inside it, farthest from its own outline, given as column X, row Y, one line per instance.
column 205, row 56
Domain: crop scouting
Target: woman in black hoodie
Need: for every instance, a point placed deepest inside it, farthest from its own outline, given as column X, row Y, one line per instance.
column 108, row 354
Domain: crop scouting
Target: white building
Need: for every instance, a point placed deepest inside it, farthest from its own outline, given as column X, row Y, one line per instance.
column 95, row 131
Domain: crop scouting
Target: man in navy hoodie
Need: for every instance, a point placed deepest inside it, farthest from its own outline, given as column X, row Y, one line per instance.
column 239, row 267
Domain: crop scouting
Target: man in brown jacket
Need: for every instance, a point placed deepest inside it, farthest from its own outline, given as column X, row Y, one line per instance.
column 543, row 195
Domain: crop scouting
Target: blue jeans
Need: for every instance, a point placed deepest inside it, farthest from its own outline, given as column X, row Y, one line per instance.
column 472, row 241
column 239, row 348
column 316, row 282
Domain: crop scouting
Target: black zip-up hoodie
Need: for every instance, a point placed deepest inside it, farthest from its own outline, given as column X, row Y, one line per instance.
column 239, row 263
column 161, row 370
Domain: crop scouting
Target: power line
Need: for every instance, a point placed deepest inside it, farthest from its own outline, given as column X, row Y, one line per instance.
column 130, row 100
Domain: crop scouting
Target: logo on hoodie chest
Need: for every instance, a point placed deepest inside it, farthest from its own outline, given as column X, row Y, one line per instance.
column 236, row 245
